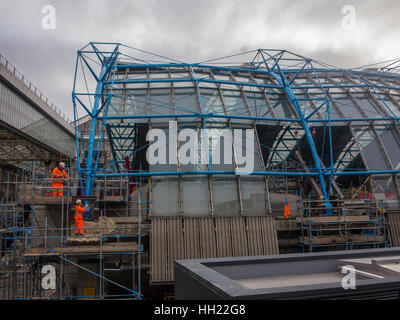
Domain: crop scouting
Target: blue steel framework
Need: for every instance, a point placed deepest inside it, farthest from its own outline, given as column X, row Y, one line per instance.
column 315, row 96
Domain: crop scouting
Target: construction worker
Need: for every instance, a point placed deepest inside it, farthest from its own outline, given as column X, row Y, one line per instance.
column 286, row 211
column 59, row 176
column 79, row 210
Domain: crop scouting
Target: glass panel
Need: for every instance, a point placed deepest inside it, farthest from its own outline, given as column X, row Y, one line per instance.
column 159, row 75
column 186, row 102
column 345, row 104
column 225, row 197
column 253, row 196
column 257, row 104
column 200, row 163
column 306, row 105
column 195, row 197
column 389, row 105
column 165, row 197
column 251, row 158
column 370, row 148
column 366, row 105
column 168, row 166
column 307, row 108
column 280, row 104
column 235, row 105
column 182, row 75
column 212, row 102
column 161, row 102
column 220, row 138
column 136, row 76
column 136, row 104
column 333, row 113
column 384, row 190
column 391, row 145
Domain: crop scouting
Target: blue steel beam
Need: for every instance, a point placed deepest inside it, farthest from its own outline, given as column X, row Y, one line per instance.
column 282, row 80
column 110, row 67
column 255, row 173
column 212, row 115
column 259, row 71
column 251, row 84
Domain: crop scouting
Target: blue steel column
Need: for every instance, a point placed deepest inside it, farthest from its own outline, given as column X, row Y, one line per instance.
column 92, row 136
column 90, row 172
column 288, row 90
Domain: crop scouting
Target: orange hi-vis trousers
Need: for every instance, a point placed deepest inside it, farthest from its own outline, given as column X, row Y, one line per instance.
column 79, row 218
column 57, row 189
column 79, row 223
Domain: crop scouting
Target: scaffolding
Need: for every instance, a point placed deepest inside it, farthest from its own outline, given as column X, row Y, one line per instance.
column 352, row 224
column 37, row 230
column 317, row 130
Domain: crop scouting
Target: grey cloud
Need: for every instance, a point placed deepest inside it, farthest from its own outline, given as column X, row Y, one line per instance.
column 192, row 31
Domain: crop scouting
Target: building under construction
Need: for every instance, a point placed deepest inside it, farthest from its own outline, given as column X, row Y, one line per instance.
column 326, row 160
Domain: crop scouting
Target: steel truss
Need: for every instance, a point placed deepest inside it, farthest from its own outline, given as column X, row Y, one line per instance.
column 308, row 88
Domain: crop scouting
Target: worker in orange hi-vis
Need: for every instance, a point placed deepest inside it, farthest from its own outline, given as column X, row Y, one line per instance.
column 79, row 210
column 58, row 178
column 286, row 211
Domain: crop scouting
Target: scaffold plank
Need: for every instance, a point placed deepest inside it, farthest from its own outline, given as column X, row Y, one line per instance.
column 105, row 248
column 335, row 219
column 327, row 240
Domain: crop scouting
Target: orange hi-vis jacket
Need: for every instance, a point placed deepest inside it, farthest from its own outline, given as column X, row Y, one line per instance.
column 79, row 210
column 59, row 175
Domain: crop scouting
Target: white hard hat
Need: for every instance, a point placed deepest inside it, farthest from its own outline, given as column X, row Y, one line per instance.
column 62, row 164
column 78, row 201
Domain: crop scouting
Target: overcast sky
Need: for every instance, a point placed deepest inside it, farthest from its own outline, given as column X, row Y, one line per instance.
column 192, row 31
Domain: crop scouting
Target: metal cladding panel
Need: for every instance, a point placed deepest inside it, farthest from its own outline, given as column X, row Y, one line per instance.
column 238, row 233
column 262, row 236
column 174, row 244
column 191, row 238
column 178, row 238
column 207, row 238
column 270, row 240
column 254, row 236
column 223, row 236
column 158, row 239
column 394, row 228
